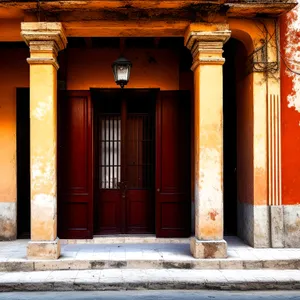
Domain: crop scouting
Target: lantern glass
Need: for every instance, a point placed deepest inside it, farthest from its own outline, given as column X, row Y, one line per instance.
column 121, row 69
column 122, row 72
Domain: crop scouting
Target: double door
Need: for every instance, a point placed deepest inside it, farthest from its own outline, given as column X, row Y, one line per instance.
column 125, row 163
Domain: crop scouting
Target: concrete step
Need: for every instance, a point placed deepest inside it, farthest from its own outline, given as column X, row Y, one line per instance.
column 137, row 279
column 200, row 264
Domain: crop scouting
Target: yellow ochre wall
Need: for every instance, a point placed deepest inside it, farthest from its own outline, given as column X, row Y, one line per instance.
column 14, row 73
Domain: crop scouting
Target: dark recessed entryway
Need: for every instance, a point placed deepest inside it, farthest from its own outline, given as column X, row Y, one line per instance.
column 23, row 163
column 230, row 138
column 237, row 146
column 124, row 163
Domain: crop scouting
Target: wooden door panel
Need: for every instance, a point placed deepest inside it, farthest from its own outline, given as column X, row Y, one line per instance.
column 124, row 135
column 138, row 211
column 75, row 186
column 173, row 197
column 109, row 219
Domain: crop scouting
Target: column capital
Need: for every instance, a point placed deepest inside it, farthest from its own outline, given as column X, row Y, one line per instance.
column 45, row 40
column 206, row 46
column 41, row 33
column 44, row 32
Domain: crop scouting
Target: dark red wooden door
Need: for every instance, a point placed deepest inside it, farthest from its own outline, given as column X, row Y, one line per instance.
column 75, row 161
column 125, row 162
column 173, row 197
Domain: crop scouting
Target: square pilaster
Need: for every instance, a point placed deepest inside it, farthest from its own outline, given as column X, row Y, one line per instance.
column 206, row 48
column 44, row 40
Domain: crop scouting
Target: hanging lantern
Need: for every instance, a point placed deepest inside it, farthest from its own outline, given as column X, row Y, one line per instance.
column 121, row 69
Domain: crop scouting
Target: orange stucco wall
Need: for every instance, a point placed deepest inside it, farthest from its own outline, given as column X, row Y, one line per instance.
column 14, row 73
column 290, row 108
column 91, row 68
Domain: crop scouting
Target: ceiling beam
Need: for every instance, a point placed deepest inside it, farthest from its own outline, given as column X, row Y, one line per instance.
column 125, row 29
column 82, row 5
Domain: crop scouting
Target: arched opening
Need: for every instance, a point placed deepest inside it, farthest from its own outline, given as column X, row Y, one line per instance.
column 238, row 140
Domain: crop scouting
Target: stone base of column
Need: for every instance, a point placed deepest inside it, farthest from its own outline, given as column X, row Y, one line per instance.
column 43, row 249
column 208, row 249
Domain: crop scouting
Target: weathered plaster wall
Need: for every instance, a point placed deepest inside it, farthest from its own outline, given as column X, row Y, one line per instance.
column 91, row 68
column 252, row 211
column 290, row 126
column 253, row 215
column 14, row 73
column 251, row 34
column 290, row 107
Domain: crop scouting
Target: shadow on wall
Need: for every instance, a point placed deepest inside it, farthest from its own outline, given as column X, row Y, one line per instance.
column 238, row 143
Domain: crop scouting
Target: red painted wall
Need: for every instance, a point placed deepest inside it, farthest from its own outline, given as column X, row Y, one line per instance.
column 290, row 105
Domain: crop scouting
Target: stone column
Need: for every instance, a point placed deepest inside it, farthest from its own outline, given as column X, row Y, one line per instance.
column 44, row 40
column 206, row 48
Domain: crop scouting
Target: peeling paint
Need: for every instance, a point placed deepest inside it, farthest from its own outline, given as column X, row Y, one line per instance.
column 213, row 214
column 42, row 109
column 8, row 223
column 292, row 57
column 43, row 207
column 44, row 214
column 43, row 170
column 210, row 174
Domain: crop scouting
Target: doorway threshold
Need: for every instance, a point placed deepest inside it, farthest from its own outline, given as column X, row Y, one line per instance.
column 127, row 239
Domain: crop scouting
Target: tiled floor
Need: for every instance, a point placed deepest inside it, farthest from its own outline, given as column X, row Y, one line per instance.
column 237, row 250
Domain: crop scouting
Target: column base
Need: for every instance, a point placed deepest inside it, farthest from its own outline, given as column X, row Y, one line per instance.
column 208, row 249
column 43, row 249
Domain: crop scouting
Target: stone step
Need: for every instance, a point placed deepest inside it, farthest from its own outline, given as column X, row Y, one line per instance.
column 154, row 279
column 200, row 264
column 125, row 239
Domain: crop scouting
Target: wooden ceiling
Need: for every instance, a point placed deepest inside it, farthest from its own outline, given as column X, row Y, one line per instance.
column 126, row 10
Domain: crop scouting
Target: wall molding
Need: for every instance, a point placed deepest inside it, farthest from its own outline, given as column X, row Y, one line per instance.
column 274, row 150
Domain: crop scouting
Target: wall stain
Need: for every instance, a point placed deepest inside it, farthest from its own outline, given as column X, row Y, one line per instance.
column 213, row 214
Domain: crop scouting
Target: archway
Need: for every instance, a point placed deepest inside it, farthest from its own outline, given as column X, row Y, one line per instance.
column 238, row 140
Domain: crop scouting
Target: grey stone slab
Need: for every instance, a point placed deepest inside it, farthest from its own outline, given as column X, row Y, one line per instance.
column 11, row 266
column 277, row 226
column 62, row 265
column 254, row 224
column 231, row 264
column 291, row 217
column 155, row 279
